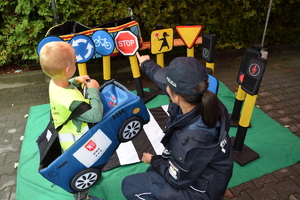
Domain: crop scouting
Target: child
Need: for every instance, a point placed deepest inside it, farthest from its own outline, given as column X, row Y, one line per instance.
column 58, row 60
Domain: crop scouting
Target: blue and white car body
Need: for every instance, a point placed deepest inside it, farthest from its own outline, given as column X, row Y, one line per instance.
column 80, row 166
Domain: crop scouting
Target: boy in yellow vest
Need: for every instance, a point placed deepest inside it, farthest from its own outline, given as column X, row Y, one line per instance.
column 58, row 60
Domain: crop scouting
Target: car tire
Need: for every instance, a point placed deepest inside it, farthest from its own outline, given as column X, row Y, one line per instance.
column 130, row 129
column 85, row 179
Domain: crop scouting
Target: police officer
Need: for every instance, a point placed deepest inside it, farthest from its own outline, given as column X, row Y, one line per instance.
column 198, row 159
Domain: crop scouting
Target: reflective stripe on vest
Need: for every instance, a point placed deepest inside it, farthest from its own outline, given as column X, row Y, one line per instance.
column 67, row 139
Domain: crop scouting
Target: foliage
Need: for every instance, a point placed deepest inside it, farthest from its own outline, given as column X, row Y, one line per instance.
column 24, row 22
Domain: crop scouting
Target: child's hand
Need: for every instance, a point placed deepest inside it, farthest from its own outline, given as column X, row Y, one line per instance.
column 142, row 58
column 92, row 84
column 82, row 79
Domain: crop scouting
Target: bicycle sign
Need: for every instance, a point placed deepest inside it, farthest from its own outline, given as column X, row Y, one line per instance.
column 104, row 43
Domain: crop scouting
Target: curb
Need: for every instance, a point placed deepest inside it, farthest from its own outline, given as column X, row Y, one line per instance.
column 23, row 79
column 122, row 66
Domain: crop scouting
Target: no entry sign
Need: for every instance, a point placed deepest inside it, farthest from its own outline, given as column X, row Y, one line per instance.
column 127, row 43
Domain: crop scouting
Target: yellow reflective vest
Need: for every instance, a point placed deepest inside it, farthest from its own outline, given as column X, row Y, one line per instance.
column 60, row 102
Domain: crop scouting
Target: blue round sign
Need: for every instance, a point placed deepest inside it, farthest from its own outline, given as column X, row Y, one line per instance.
column 46, row 40
column 104, row 43
column 84, row 48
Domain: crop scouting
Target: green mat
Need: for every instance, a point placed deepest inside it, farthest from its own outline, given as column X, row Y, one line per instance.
column 276, row 145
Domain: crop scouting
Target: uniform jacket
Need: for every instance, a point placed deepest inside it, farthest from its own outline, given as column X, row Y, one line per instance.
column 197, row 161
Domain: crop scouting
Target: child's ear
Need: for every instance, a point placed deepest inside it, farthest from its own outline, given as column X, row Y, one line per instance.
column 67, row 70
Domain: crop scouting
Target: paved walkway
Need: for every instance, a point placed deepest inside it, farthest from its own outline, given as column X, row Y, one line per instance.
column 278, row 97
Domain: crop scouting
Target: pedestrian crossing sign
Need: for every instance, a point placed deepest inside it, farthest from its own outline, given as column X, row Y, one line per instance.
column 162, row 40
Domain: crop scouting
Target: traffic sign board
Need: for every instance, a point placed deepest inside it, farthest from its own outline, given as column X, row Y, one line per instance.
column 104, row 43
column 46, row 40
column 189, row 34
column 162, row 40
column 84, row 48
column 127, row 43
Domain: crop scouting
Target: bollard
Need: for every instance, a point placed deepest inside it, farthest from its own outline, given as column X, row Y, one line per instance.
column 251, row 83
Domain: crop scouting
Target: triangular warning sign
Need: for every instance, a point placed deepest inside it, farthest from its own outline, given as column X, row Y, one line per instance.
column 189, row 34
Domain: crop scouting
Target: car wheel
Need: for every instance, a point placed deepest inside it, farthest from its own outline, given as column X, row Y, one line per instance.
column 85, row 179
column 130, row 129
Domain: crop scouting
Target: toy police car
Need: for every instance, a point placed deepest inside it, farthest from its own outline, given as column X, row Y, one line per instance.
column 78, row 168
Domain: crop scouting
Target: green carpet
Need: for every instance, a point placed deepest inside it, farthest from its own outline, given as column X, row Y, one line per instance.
column 276, row 145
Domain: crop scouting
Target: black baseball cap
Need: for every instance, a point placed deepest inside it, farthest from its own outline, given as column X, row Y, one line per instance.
column 182, row 75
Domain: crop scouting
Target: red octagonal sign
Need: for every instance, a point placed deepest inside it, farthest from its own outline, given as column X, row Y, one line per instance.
column 127, row 43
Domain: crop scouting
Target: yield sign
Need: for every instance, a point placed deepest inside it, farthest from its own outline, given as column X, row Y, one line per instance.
column 127, row 43
column 189, row 34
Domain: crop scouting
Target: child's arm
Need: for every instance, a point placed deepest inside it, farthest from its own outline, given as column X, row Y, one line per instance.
column 93, row 115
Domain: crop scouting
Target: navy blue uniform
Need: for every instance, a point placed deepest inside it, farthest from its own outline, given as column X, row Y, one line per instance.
column 197, row 161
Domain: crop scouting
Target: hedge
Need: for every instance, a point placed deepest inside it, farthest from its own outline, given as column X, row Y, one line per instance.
column 24, row 22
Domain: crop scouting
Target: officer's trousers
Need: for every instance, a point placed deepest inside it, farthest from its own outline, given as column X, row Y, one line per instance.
column 143, row 186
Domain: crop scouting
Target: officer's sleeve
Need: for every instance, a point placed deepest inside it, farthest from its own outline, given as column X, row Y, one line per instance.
column 150, row 68
column 180, row 176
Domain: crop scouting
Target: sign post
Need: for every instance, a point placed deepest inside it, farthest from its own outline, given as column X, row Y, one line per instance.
column 104, row 45
column 127, row 43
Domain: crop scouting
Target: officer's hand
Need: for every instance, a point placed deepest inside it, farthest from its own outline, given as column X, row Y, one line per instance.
column 142, row 58
column 147, row 158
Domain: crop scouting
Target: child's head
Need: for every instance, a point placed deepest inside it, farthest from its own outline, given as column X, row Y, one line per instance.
column 55, row 57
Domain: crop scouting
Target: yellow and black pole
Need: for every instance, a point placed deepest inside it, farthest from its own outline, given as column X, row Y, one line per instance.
column 190, row 52
column 127, row 43
column 82, row 69
column 208, row 50
column 244, row 122
column 106, row 68
column 136, row 75
column 240, row 96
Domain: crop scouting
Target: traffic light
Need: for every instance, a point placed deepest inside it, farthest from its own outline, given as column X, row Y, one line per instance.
column 253, row 76
column 250, row 53
column 208, row 47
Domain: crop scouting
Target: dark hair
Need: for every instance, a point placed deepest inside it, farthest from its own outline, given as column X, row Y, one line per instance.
column 208, row 103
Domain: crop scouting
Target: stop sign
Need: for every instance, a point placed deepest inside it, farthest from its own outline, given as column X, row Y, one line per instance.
column 127, row 43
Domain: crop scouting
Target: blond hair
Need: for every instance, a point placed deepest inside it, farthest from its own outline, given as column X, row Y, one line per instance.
column 55, row 57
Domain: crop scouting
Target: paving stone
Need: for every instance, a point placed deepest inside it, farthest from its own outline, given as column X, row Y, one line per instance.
column 285, row 172
column 5, row 193
column 285, row 120
column 264, row 193
column 243, row 196
column 236, row 191
column 285, row 188
column 8, row 169
column 11, row 158
column 296, row 179
column 2, row 158
column 7, row 181
column 268, row 178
